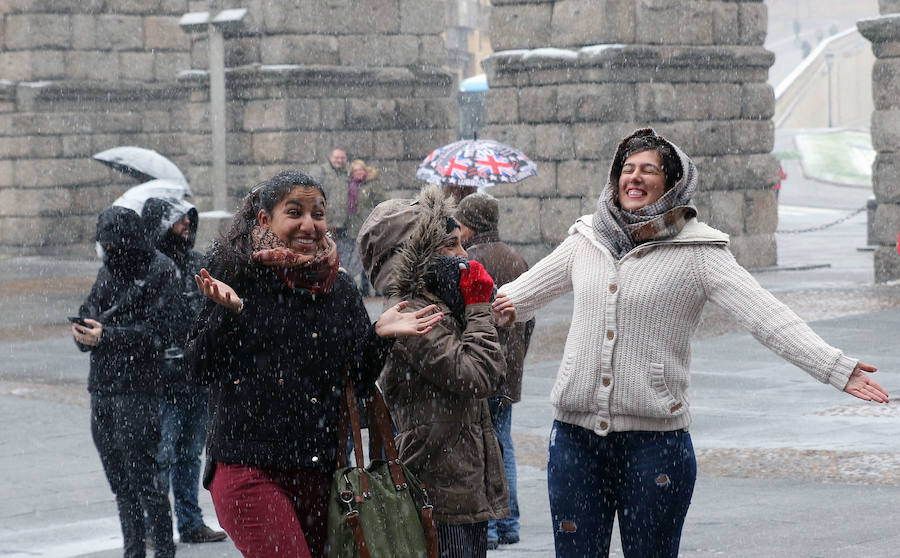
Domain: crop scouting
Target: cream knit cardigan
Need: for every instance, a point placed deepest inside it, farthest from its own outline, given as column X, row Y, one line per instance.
column 626, row 364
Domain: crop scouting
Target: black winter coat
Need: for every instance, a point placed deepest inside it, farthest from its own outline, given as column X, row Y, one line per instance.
column 159, row 215
column 137, row 316
column 276, row 370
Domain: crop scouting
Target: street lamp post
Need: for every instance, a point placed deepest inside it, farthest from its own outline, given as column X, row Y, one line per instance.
column 215, row 27
column 829, row 62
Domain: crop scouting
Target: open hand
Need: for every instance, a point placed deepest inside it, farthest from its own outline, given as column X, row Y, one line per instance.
column 396, row 323
column 862, row 386
column 503, row 310
column 218, row 292
column 89, row 334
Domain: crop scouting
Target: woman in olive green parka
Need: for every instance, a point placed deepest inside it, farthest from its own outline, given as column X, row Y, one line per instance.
column 437, row 386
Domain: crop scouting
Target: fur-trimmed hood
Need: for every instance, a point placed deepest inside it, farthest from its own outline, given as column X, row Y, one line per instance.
column 401, row 239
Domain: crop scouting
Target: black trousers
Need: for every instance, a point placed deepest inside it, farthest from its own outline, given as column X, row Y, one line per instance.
column 467, row 540
column 125, row 428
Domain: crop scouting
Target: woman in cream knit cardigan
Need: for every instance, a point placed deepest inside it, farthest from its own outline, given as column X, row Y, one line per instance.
column 641, row 269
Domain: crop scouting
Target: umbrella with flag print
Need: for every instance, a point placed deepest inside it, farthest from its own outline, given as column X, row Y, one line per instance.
column 476, row 163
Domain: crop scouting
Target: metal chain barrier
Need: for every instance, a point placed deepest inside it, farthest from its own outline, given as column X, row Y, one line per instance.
column 825, row 226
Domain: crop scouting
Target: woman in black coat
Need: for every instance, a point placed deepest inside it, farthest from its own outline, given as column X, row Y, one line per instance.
column 275, row 358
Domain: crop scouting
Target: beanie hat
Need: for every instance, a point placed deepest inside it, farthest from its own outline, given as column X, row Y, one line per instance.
column 480, row 212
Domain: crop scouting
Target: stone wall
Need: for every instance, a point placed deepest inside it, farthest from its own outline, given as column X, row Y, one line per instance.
column 305, row 75
column 570, row 78
column 77, row 78
column 292, row 116
column 884, row 33
column 109, row 40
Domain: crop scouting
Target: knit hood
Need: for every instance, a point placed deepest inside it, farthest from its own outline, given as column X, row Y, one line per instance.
column 621, row 230
column 401, row 240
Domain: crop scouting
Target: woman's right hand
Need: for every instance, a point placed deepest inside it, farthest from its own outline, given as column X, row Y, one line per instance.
column 219, row 292
column 503, row 310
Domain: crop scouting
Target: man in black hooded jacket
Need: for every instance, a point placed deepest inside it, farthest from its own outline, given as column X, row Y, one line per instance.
column 125, row 326
column 172, row 226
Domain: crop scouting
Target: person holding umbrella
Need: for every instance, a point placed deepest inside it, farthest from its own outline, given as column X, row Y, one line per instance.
column 172, row 225
column 642, row 268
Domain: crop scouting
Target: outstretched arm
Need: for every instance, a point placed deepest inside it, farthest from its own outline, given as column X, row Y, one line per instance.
column 777, row 327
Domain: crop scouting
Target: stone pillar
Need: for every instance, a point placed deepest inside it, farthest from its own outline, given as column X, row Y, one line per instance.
column 570, row 78
column 884, row 33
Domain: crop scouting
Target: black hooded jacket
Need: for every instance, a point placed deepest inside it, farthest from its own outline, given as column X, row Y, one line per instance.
column 132, row 298
column 159, row 215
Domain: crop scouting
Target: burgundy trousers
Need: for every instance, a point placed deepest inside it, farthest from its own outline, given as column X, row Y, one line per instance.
column 269, row 512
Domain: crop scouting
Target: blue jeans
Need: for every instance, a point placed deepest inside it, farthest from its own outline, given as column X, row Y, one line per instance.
column 183, row 420
column 644, row 478
column 501, row 415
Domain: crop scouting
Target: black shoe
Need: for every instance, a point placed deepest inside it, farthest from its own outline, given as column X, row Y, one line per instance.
column 203, row 534
column 508, row 539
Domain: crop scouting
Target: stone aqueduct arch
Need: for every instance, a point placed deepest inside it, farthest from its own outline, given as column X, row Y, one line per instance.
column 568, row 79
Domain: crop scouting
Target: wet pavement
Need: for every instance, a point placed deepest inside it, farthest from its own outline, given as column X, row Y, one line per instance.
column 787, row 466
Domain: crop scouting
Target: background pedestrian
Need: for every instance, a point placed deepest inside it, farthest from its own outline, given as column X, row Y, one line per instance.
column 364, row 192
column 479, row 218
column 172, row 225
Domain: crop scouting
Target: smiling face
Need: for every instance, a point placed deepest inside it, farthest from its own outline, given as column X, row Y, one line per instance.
column 642, row 181
column 298, row 220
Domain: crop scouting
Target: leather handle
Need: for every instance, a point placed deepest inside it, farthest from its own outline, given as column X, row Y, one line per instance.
column 431, row 537
column 358, row 536
column 350, row 404
column 379, row 417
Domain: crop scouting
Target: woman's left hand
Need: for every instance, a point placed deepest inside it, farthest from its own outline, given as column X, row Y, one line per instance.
column 396, row 323
column 862, row 386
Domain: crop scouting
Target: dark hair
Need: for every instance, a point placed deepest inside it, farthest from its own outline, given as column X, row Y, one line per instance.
column 671, row 164
column 452, row 224
column 264, row 196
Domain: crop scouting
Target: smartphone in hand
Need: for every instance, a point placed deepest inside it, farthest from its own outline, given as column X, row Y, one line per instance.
column 78, row 320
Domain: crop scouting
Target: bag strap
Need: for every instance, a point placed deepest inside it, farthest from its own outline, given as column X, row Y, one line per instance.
column 349, row 402
column 379, row 418
column 358, row 535
column 430, row 528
